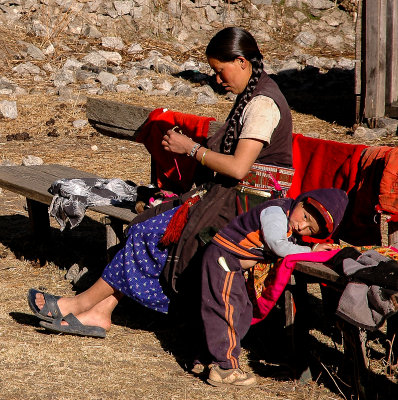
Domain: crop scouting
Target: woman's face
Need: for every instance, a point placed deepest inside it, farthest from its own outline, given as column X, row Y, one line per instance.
column 232, row 75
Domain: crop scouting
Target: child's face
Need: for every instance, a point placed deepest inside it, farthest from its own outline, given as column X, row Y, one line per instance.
column 302, row 222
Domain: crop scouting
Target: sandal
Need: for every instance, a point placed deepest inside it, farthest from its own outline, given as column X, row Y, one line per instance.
column 74, row 327
column 50, row 305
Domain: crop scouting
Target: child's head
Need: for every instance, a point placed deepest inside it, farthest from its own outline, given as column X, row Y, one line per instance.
column 318, row 212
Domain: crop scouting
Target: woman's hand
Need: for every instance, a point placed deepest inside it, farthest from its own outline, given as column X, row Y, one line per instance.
column 177, row 142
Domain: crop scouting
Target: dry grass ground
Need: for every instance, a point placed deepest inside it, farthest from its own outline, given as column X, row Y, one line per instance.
column 143, row 355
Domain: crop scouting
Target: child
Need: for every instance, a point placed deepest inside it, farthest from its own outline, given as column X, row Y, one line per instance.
column 274, row 228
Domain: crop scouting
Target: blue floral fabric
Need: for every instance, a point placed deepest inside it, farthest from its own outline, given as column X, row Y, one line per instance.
column 136, row 268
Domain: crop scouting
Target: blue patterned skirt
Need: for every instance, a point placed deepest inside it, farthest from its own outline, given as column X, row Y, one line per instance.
column 136, row 268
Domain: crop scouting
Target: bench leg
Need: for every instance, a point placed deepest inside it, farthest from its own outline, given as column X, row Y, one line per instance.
column 39, row 218
column 392, row 336
column 114, row 235
column 355, row 359
column 297, row 327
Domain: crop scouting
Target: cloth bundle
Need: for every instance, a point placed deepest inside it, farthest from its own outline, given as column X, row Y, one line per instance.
column 73, row 196
column 372, row 291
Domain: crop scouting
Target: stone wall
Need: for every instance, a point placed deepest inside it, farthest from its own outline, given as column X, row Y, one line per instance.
column 321, row 23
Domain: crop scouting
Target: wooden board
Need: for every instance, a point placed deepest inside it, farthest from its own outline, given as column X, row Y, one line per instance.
column 392, row 110
column 34, row 181
column 392, row 57
column 375, row 59
column 319, row 271
column 123, row 120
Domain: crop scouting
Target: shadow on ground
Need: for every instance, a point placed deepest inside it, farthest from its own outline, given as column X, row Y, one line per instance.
column 84, row 245
column 328, row 96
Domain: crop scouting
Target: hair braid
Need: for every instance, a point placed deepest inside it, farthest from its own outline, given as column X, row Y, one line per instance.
column 240, row 104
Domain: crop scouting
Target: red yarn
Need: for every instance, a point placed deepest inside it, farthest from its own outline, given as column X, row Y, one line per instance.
column 177, row 222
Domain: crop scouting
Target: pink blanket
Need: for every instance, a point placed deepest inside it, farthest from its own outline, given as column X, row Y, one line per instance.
column 283, row 272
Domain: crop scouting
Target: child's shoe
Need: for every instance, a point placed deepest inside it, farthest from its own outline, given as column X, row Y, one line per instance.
column 198, row 369
column 226, row 377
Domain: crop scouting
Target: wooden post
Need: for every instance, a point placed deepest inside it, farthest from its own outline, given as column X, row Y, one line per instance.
column 358, row 63
column 375, row 60
column 392, row 59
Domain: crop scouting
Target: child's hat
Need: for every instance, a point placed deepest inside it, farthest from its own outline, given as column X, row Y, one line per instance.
column 330, row 203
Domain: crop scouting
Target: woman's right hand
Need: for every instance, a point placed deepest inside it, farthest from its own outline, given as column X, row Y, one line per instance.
column 177, row 142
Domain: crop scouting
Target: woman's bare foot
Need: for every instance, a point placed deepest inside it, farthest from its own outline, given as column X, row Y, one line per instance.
column 85, row 301
column 66, row 304
column 92, row 318
column 97, row 315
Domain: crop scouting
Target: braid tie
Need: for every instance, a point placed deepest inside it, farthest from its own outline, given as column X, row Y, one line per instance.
column 241, row 101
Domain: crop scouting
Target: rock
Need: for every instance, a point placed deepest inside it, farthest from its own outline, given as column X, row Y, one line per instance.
column 32, row 160
column 164, row 86
column 50, row 49
column 63, row 77
column 319, row 4
column 91, row 31
column 8, row 109
column 72, row 64
column 123, row 7
column 134, row 48
column 345, row 63
column 111, row 56
column 72, row 272
column 370, row 134
column 7, row 86
column 124, row 88
column 112, row 42
column 390, row 124
column 206, row 95
column 107, row 78
column 145, row 85
column 32, row 51
column 305, row 39
column 181, row 89
column 7, row 163
column 27, row 68
column 95, row 58
column 336, row 42
column 79, row 123
column 75, row 273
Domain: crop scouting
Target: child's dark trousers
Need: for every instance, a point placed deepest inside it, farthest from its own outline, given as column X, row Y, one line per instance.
column 226, row 309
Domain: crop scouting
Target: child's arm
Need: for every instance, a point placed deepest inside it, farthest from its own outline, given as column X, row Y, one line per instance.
column 274, row 228
column 323, row 246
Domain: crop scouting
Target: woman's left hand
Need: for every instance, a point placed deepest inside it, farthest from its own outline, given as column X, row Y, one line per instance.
column 177, row 142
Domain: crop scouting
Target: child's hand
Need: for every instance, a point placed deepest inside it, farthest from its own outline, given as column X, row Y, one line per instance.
column 323, row 246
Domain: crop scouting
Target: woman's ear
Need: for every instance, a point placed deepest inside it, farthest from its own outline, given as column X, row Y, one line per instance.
column 242, row 62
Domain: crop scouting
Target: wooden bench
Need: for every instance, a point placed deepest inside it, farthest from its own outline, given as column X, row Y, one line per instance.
column 123, row 121
column 33, row 183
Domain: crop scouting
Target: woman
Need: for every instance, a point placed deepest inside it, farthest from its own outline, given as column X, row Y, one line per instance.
column 258, row 130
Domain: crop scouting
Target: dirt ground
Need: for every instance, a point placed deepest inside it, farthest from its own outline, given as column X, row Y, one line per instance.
column 143, row 356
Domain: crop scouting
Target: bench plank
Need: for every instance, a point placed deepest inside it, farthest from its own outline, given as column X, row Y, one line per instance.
column 34, row 181
column 320, row 271
column 123, row 120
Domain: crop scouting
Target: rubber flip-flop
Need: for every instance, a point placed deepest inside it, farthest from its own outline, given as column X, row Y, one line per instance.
column 74, row 327
column 50, row 305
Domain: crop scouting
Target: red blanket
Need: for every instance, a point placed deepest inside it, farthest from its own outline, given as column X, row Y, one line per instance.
column 174, row 172
column 323, row 164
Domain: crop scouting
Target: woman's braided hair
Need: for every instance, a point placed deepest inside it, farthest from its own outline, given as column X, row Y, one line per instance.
column 227, row 45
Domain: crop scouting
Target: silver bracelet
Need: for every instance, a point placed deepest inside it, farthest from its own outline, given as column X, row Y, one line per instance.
column 195, row 148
